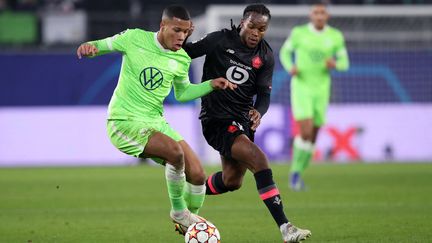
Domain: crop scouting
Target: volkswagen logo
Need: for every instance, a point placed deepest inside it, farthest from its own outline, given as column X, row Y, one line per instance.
column 151, row 78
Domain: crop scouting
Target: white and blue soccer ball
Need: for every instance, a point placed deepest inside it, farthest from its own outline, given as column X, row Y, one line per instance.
column 202, row 232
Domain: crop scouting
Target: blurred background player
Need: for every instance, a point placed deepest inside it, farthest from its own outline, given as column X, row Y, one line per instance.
column 152, row 63
column 229, row 118
column 318, row 48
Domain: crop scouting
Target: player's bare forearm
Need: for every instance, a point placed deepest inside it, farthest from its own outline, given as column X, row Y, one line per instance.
column 86, row 50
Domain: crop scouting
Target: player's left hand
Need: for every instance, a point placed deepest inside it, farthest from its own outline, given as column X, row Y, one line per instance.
column 331, row 63
column 222, row 83
column 255, row 117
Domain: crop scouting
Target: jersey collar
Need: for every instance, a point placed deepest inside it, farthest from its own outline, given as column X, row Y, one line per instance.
column 314, row 30
column 158, row 44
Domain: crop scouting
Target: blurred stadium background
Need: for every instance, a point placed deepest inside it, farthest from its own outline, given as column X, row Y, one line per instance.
column 53, row 106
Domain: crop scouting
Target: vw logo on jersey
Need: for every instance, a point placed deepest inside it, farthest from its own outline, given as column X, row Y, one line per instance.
column 151, row 78
column 237, row 75
column 316, row 55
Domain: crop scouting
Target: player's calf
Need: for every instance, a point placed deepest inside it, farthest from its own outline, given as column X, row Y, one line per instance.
column 219, row 183
column 269, row 194
column 215, row 184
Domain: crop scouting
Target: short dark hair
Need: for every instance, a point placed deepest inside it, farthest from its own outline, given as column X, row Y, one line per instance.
column 176, row 11
column 256, row 8
column 319, row 3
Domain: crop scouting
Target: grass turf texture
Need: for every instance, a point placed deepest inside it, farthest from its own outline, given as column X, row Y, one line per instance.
column 344, row 203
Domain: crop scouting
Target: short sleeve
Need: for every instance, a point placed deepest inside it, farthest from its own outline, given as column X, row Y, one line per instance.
column 118, row 42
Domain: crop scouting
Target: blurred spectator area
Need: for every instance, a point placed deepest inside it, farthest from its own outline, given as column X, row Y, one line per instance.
column 67, row 22
column 389, row 47
column 18, row 28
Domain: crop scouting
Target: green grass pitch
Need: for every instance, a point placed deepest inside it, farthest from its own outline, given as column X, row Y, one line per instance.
column 345, row 203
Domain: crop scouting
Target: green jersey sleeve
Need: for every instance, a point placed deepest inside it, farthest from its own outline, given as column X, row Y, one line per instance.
column 185, row 91
column 342, row 60
column 287, row 50
column 116, row 43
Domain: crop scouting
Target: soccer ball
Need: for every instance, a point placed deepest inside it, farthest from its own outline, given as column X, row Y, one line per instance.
column 202, row 232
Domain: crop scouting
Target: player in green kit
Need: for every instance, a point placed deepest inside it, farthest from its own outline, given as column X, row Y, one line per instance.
column 318, row 48
column 152, row 64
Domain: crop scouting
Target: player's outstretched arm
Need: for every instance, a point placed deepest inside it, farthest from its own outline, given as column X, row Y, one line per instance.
column 185, row 91
column 116, row 43
column 86, row 50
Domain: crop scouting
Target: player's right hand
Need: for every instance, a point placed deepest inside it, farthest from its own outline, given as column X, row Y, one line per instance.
column 222, row 83
column 331, row 63
column 255, row 118
column 191, row 30
column 293, row 71
column 86, row 50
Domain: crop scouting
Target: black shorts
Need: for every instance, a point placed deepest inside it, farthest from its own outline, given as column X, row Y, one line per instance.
column 220, row 134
